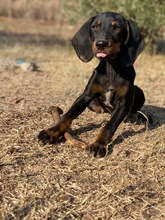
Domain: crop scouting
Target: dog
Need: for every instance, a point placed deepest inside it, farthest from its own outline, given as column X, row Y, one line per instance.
column 116, row 42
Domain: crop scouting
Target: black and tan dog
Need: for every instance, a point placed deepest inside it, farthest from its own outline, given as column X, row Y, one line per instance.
column 116, row 42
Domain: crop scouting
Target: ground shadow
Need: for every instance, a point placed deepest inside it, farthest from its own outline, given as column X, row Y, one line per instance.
column 157, row 115
column 10, row 39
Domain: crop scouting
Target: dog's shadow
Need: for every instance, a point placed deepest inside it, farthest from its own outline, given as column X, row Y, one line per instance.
column 153, row 117
column 156, row 115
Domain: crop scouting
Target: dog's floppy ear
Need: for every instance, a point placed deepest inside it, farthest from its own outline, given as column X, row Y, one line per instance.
column 133, row 45
column 82, row 42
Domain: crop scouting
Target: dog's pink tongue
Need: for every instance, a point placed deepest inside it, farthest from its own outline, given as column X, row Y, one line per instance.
column 101, row 55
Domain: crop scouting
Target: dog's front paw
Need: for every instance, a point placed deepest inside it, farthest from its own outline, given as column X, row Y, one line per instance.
column 96, row 150
column 47, row 137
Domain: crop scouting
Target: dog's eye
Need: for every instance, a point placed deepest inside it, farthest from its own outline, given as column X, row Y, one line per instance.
column 117, row 26
column 95, row 26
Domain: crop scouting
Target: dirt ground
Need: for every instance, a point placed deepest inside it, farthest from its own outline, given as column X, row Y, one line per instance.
column 60, row 182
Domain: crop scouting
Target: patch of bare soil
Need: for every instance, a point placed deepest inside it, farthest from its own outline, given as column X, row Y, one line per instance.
column 60, row 182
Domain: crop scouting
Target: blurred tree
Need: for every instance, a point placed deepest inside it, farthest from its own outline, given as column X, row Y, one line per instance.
column 150, row 15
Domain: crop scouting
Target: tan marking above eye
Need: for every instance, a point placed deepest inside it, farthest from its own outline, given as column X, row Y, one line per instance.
column 98, row 23
column 113, row 23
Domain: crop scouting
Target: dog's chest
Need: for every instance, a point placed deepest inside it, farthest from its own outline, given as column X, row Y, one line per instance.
column 113, row 85
column 108, row 97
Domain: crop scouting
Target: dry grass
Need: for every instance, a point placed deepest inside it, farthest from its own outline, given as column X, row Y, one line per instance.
column 57, row 181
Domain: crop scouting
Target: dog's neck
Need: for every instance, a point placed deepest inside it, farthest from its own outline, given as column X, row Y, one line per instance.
column 113, row 69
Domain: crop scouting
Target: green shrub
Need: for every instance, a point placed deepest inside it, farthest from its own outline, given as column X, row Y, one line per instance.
column 150, row 15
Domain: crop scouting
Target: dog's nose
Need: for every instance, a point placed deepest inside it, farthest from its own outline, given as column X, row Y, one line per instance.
column 101, row 44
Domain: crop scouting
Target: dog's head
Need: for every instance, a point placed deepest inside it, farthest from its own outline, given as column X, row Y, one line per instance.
column 106, row 36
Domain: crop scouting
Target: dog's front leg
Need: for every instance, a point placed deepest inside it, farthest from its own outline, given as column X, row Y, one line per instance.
column 106, row 133
column 52, row 134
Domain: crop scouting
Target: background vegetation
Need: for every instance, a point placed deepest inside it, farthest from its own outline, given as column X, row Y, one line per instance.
column 148, row 14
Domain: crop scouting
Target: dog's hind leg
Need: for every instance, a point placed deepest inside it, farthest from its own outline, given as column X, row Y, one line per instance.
column 139, row 100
